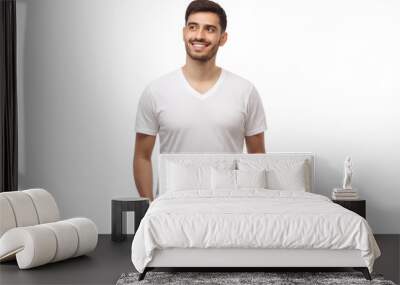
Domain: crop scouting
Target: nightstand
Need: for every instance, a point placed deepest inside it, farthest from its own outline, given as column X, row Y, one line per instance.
column 119, row 207
column 357, row 206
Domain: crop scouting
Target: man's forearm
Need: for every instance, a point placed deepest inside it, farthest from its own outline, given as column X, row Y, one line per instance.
column 143, row 176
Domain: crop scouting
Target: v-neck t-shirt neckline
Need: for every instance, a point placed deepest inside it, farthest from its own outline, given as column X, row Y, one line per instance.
column 209, row 92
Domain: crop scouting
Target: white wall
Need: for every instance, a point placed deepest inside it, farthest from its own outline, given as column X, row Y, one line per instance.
column 328, row 73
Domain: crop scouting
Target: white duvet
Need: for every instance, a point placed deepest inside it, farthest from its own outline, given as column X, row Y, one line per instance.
column 250, row 218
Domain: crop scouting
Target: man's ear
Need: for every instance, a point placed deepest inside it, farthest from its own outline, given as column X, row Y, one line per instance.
column 224, row 38
column 183, row 33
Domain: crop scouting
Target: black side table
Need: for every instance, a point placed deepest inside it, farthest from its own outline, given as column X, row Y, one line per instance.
column 357, row 206
column 119, row 207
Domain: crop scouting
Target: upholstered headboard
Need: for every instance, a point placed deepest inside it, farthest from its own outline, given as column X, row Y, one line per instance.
column 205, row 158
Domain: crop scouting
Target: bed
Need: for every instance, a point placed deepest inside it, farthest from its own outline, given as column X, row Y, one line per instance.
column 247, row 210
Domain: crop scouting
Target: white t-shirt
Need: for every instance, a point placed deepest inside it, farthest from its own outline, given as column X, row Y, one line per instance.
column 188, row 121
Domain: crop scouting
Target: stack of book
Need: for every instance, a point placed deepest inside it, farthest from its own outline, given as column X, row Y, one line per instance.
column 344, row 194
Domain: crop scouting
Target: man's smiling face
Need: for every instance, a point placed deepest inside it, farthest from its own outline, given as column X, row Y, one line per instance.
column 202, row 36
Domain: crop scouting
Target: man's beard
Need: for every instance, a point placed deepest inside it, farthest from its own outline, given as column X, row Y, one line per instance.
column 205, row 57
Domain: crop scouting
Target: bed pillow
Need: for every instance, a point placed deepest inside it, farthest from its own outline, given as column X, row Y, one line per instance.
column 223, row 179
column 176, row 168
column 237, row 179
column 181, row 177
column 283, row 174
column 289, row 179
column 251, row 178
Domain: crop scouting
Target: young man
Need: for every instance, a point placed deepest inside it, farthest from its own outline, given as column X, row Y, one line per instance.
column 199, row 107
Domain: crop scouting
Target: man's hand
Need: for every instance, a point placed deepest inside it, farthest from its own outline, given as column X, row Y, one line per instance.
column 255, row 143
column 142, row 167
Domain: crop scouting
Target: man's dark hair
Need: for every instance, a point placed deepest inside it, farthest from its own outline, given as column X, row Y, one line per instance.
column 207, row 6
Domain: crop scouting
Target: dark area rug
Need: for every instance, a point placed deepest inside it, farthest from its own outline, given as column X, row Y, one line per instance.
column 229, row 278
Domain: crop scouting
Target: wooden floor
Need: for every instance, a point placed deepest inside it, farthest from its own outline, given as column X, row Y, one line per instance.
column 111, row 259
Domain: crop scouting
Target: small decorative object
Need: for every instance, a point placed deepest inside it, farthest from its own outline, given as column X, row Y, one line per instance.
column 347, row 192
column 348, row 172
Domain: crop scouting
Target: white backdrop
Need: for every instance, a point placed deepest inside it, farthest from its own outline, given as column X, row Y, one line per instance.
column 328, row 73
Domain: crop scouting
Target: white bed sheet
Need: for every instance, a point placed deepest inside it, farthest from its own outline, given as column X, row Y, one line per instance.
column 250, row 218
